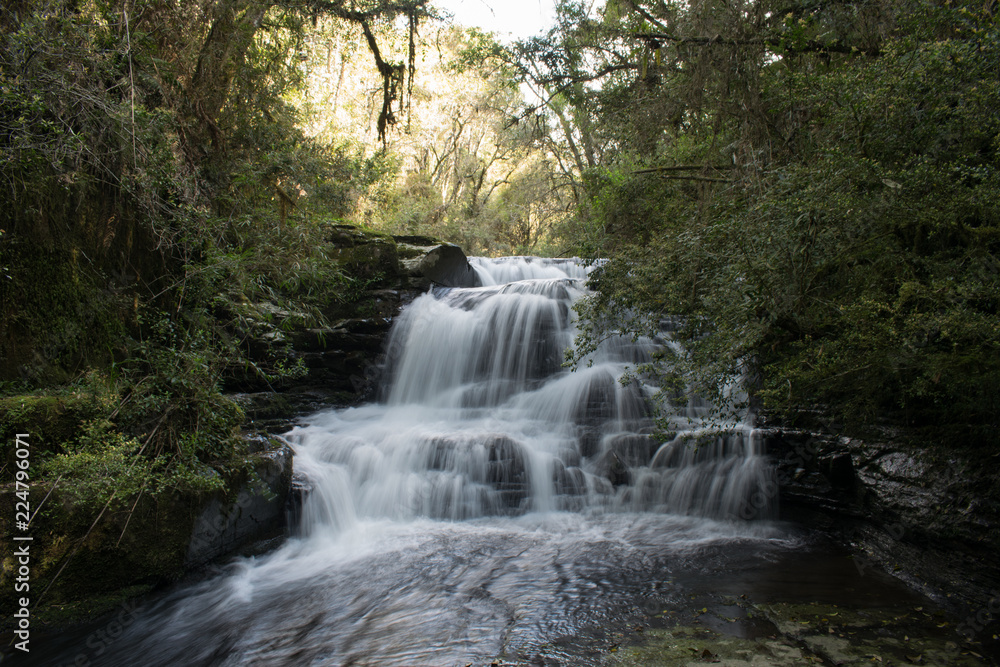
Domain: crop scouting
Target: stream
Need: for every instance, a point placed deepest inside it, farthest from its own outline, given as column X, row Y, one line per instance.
column 494, row 507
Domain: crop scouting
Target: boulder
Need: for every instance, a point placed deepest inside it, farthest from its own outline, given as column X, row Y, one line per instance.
column 223, row 526
column 444, row 264
column 928, row 512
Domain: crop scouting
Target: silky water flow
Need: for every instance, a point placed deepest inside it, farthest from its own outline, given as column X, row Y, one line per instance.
column 490, row 503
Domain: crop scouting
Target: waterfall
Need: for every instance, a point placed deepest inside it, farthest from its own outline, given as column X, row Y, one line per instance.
column 491, row 503
column 479, row 417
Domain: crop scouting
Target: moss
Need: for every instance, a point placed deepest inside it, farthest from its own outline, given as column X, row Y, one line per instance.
column 60, row 615
column 697, row 646
column 50, row 420
column 58, row 317
column 806, row 634
column 265, row 405
column 345, row 235
column 407, row 251
column 139, row 543
column 419, row 241
column 376, row 260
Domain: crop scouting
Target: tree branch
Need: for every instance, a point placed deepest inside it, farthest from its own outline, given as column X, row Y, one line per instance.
column 683, row 177
column 392, row 76
column 807, row 46
column 684, row 167
column 346, row 10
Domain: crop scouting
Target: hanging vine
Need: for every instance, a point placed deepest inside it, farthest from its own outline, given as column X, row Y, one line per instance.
column 392, row 79
column 411, row 69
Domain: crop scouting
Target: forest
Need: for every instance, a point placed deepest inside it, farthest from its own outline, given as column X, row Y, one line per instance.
column 809, row 189
column 812, row 186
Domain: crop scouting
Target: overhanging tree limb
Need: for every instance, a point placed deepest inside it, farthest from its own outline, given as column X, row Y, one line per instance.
column 684, row 167
column 775, row 43
column 392, row 76
column 683, row 177
column 350, row 12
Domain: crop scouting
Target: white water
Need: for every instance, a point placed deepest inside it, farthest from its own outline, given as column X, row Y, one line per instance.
column 492, row 502
column 480, row 419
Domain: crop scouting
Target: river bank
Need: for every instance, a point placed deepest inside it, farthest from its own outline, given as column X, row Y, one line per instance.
column 523, row 522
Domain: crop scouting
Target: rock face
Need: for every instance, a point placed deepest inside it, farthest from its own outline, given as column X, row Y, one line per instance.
column 339, row 365
column 443, row 264
column 929, row 513
column 338, row 362
column 258, row 512
column 152, row 540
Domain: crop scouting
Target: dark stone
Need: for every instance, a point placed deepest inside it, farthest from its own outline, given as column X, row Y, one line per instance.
column 611, row 467
column 568, row 480
column 347, row 336
column 344, row 236
column 298, row 494
column 633, row 449
column 506, row 471
column 445, row 265
column 425, row 241
column 589, row 440
column 839, row 470
column 258, row 512
column 599, row 404
column 928, row 513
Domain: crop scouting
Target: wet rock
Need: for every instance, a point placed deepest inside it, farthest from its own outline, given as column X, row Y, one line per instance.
column 589, row 440
column 443, row 264
column 298, row 493
column 634, row 449
column 365, row 335
column 568, row 480
column 799, row 634
column 611, row 466
column 928, row 513
column 598, row 405
column 839, row 470
column 620, row 453
column 506, row 472
column 149, row 539
column 223, row 526
column 418, row 241
column 344, row 355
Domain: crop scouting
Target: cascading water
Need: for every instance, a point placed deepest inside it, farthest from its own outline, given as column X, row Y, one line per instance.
column 479, row 418
column 491, row 502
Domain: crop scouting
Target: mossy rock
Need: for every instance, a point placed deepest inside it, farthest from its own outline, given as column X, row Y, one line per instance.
column 804, row 634
column 408, row 251
column 424, row 241
column 50, row 421
column 140, row 541
column 345, row 235
column 697, row 646
column 58, row 315
column 376, row 261
column 363, row 253
column 264, row 405
column 136, row 543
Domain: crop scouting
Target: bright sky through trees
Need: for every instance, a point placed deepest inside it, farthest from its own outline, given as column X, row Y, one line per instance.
column 510, row 19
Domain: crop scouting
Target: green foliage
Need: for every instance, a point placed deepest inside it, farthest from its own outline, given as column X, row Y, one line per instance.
column 835, row 233
column 163, row 208
column 101, row 463
column 473, row 166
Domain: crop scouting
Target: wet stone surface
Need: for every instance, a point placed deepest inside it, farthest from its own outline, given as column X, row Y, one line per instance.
column 745, row 633
column 811, row 607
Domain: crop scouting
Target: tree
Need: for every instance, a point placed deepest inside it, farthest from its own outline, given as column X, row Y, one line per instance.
column 156, row 183
column 464, row 152
column 813, row 188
